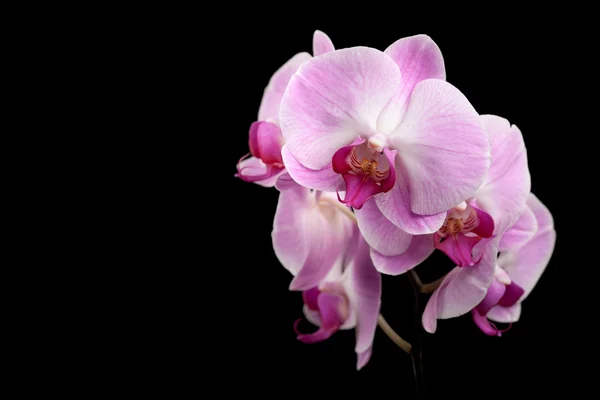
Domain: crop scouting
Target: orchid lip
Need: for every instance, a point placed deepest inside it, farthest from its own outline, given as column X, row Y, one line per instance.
column 487, row 326
column 366, row 171
column 332, row 307
column 271, row 170
column 463, row 228
column 265, row 142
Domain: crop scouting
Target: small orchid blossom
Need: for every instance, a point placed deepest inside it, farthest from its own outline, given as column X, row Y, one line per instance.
column 321, row 246
column 387, row 126
column 265, row 164
column 497, row 205
column 518, row 268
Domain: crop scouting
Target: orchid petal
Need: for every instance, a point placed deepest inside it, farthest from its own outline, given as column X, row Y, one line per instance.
column 485, row 229
column 308, row 235
column 505, row 314
column 269, row 142
column 419, row 249
column 506, row 187
column 269, row 106
column 253, row 139
column 328, row 233
column 321, row 43
column 395, row 206
column 463, row 288
column 363, row 287
column 418, row 58
column 383, row 236
column 512, row 294
column 520, row 233
column 310, row 297
column 334, row 98
column 363, row 358
column 527, row 265
column 442, row 146
column 493, row 295
column 430, row 313
column 324, row 179
column 329, row 308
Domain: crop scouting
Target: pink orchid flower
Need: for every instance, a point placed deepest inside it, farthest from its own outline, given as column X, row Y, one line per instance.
column 385, row 125
column 496, row 206
column 324, row 250
column 521, row 262
column 265, row 164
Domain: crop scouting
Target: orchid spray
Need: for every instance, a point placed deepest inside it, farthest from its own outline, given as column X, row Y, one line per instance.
column 379, row 161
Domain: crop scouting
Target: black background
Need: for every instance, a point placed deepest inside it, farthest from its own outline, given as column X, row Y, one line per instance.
column 249, row 312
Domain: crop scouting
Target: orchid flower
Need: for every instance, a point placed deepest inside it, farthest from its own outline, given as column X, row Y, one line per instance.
column 321, row 246
column 521, row 262
column 349, row 297
column 384, row 125
column 477, row 226
column 265, row 164
column 500, row 198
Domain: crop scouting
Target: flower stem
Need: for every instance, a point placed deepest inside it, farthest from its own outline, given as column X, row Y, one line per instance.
column 417, row 350
column 385, row 327
column 424, row 287
column 430, row 287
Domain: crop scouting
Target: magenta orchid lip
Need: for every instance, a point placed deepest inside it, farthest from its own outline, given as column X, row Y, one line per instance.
column 379, row 162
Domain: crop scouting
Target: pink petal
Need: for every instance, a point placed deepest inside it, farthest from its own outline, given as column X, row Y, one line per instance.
column 254, row 170
column 363, row 287
column 443, row 147
column 527, row 265
column 419, row 249
column 285, row 182
column 329, row 308
column 395, row 206
column 310, row 297
column 379, row 232
column 253, row 139
column 363, row 358
column 520, row 233
column 328, row 233
column 512, row 294
column 492, row 297
column 463, row 288
column 507, row 185
column 485, row 228
column 308, row 233
column 269, row 142
column 505, row 314
column 334, row 98
column 324, row 179
column 321, row 43
column 419, row 58
column 430, row 313
column 339, row 161
column 269, row 106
